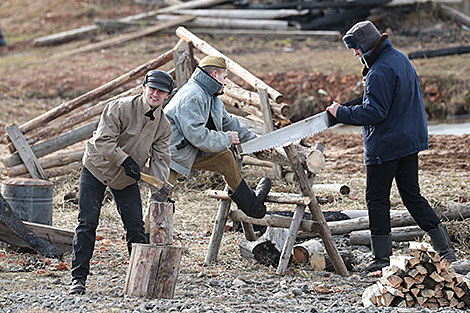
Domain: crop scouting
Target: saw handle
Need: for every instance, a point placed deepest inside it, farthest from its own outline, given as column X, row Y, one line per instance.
column 151, row 180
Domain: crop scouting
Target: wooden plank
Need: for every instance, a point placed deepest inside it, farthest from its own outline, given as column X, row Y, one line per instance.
column 13, row 221
column 267, row 33
column 268, row 123
column 60, row 237
column 289, row 243
column 26, row 154
column 181, row 69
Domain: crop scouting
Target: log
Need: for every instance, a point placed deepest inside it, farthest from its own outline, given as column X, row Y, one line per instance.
column 219, row 22
column 290, row 33
column 55, row 144
column 232, row 66
column 153, row 271
column 97, row 92
column 453, row 211
column 161, row 223
column 124, row 37
column 302, row 252
column 408, row 233
column 274, row 221
column 63, row 170
column 243, row 14
column 316, row 211
column 275, row 197
column 49, row 162
column 322, row 262
column 91, row 29
column 331, row 188
column 60, row 237
column 316, row 161
column 456, row 15
column 76, row 118
column 181, row 66
column 265, row 250
column 438, row 52
column 11, row 219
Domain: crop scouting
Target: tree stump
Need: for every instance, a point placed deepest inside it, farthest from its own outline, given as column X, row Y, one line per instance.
column 153, row 271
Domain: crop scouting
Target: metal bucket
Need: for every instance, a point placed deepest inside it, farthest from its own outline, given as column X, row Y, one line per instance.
column 30, row 198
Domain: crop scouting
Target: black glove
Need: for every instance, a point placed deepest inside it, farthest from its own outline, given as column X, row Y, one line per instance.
column 131, row 167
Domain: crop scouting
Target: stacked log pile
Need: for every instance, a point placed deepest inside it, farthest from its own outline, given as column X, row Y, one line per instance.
column 421, row 279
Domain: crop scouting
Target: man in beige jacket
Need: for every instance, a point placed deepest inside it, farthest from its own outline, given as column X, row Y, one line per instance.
column 131, row 131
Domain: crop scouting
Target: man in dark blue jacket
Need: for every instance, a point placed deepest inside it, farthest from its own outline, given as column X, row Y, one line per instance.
column 394, row 128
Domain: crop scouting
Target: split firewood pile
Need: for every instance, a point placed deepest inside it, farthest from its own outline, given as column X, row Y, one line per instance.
column 420, row 279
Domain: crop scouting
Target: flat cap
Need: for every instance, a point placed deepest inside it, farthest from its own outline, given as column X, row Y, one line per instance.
column 213, row 61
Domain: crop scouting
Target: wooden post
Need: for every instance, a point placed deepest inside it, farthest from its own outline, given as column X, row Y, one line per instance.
column 218, row 230
column 153, row 271
column 180, row 60
column 192, row 64
column 317, row 214
column 289, row 243
column 268, row 123
column 25, row 152
column 161, row 223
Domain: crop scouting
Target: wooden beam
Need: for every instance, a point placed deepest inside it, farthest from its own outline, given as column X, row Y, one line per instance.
column 232, row 66
column 26, row 154
column 274, row 220
column 243, row 14
column 13, row 221
column 275, row 197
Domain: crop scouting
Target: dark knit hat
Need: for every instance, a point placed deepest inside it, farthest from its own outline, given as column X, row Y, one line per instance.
column 158, row 79
column 362, row 35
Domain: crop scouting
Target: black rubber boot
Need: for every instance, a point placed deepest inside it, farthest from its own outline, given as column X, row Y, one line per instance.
column 382, row 250
column 441, row 242
column 250, row 202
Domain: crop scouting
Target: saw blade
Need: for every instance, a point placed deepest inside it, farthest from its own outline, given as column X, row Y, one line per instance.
column 289, row 134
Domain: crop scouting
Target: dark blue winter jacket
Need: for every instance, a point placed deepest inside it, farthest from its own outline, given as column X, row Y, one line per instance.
column 392, row 113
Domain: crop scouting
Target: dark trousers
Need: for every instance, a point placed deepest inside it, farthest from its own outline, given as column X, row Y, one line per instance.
column 129, row 205
column 379, row 183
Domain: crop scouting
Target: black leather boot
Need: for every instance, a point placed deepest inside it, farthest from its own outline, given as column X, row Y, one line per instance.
column 382, row 250
column 441, row 242
column 249, row 201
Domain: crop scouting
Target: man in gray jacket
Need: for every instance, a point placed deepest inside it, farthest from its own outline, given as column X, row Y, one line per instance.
column 131, row 131
column 203, row 132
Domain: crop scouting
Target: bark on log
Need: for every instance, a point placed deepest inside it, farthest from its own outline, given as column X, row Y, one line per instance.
column 408, row 233
column 265, row 250
column 232, row 66
column 76, row 118
column 273, row 220
column 97, row 92
column 153, row 271
column 281, row 110
column 218, row 22
column 243, row 14
column 13, row 221
column 456, row 15
column 63, row 170
column 268, row 33
column 59, row 237
column 90, row 29
column 322, row 262
column 124, row 37
column 55, row 144
column 161, row 223
column 438, row 52
column 302, row 252
column 49, row 162
column 453, row 211
column 276, row 197
column 331, row 188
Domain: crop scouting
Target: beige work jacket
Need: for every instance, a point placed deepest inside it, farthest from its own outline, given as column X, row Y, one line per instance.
column 124, row 131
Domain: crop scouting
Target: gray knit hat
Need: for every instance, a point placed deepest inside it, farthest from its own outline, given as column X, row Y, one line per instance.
column 362, row 35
